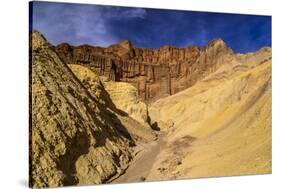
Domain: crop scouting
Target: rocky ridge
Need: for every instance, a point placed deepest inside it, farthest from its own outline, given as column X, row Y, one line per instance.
column 155, row 73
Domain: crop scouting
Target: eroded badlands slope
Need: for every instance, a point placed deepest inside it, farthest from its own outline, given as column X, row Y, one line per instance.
column 222, row 125
column 76, row 136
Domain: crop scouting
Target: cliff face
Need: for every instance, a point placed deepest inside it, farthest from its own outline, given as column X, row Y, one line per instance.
column 154, row 72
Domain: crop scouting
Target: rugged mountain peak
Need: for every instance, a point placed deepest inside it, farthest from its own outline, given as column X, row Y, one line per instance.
column 217, row 41
column 126, row 44
column 65, row 46
column 121, row 49
column 37, row 40
column 265, row 49
column 219, row 46
column 166, row 47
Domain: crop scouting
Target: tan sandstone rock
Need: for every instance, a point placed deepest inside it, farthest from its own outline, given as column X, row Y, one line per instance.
column 73, row 138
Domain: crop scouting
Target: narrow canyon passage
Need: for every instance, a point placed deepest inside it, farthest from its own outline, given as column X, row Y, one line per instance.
column 141, row 166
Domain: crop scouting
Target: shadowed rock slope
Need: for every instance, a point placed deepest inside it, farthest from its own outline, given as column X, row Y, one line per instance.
column 76, row 136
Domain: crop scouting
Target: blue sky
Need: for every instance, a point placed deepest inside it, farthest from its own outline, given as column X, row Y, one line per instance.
column 150, row 28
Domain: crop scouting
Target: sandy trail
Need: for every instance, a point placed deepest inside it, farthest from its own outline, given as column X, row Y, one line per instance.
column 141, row 166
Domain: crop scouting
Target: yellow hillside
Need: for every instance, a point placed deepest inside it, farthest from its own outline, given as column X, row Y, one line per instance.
column 221, row 126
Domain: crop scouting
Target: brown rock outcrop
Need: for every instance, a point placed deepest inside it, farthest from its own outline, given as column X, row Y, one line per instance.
column 154, row 72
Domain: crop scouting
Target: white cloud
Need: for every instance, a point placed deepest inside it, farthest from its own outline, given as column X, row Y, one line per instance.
column 80, row 23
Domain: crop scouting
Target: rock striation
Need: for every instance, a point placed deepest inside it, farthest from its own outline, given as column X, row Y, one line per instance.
column 226, row 119
column 155, row 73
column 76, row 134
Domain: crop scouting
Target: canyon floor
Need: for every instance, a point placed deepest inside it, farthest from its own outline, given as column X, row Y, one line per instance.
column 88, row 129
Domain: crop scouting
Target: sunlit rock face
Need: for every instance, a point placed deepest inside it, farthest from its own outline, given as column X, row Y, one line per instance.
column 155, row 73
column 74, row 139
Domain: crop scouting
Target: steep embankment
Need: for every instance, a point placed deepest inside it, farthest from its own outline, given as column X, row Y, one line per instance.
column 222, row 125
column 76, row 136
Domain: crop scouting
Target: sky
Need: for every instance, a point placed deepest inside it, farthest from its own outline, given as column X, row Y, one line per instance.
column 98, row 25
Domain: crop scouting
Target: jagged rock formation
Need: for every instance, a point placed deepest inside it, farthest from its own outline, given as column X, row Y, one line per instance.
column 154, row 72
column 76, row 136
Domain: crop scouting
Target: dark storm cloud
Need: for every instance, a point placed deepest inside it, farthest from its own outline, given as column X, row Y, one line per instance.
column 151, row 28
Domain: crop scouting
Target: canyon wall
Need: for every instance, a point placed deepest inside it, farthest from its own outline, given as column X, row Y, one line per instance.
column 155, row 73
column 74, row 139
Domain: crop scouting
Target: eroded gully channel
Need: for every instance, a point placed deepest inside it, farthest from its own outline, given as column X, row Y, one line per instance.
column 142, row 164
